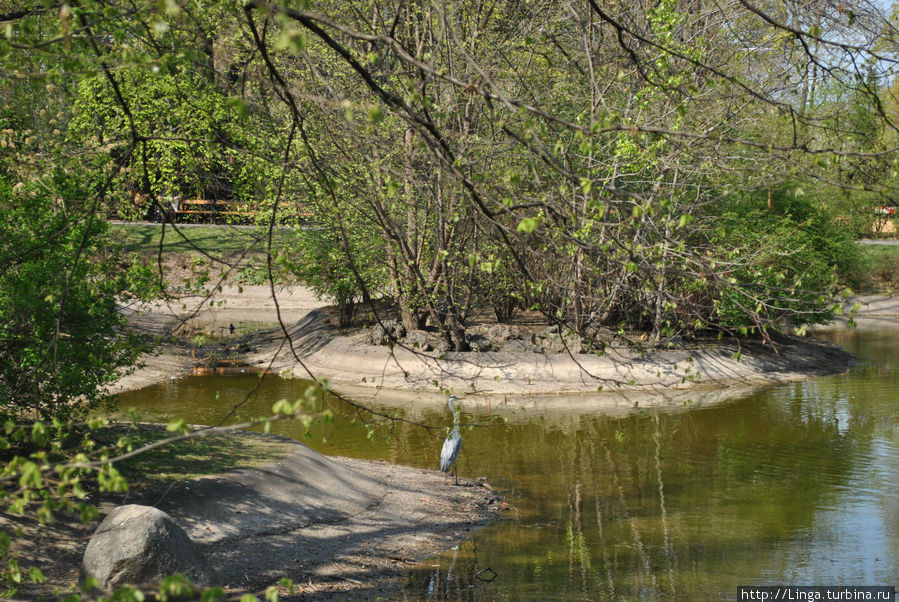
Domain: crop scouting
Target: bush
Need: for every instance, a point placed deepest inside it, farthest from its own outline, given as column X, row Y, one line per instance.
column 61, row 336
column 779, row 263
column 317, row 258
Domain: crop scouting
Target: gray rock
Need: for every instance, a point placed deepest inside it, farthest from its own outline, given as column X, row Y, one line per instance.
column 478, row 342
column 418, row 339
column 380, row 334
column 377, row 335
column 596, row 339
column 440, row 345
column 499, row 333
column 140, row 544
column 519, row 346
column 601, row 336
column 477, row 329
column 555, row 340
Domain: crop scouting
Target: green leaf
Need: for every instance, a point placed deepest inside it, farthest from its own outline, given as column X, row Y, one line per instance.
column 176, row 587
column 528, row 225
column 171, row 7
column 239, row 105
column 291, row 40
column 178, row 426
column 282, row 406
column 586, row 185
column 89, row 584
column 212, row 594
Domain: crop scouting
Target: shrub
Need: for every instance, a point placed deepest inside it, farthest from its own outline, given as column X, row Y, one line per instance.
column 317, row 258
column 782, row 262
column 62, row 337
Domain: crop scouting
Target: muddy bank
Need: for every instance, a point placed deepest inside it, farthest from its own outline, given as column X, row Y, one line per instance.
column 868, row 312
column 360, row 369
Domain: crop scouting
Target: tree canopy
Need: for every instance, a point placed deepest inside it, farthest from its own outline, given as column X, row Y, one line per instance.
column 610, row 160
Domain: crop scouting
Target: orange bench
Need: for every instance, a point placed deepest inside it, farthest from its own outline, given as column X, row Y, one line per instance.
column 212, row 208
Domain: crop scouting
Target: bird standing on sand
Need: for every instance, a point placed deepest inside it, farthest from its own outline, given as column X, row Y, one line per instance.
column 453, row 442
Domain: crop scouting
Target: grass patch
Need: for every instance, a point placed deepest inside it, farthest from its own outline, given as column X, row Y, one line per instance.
column 879, row 265
column 186, row 254
column 190, row 459
column 214, row 240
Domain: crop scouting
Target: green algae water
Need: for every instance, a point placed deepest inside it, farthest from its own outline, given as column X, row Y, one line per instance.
column 798, row 484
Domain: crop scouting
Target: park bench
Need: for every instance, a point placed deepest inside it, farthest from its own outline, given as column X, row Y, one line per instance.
column 196, row 209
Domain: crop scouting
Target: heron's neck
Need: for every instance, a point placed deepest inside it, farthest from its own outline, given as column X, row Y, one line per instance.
column 454, row 411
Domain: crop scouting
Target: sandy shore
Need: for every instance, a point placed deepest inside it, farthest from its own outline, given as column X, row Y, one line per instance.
column 339, row 528
column 616, row 379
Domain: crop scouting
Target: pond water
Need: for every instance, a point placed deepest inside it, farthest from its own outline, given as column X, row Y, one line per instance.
column 797, row 484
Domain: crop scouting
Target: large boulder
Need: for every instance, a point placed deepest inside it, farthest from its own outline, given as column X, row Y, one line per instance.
column 140, row 544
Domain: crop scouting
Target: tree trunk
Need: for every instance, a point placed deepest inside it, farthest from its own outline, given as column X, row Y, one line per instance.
column 456, row 333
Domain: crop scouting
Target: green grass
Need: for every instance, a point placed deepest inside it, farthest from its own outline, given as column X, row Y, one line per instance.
column 215, row 240
column 189, row 248
column 879, row 265
column 192, row 458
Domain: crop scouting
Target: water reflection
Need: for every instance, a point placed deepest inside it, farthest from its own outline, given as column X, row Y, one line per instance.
column 791, row 485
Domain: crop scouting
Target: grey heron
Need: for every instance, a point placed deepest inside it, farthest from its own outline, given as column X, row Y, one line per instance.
column 453, row 442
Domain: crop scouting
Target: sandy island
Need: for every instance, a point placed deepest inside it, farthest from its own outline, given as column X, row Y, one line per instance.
column 618, row 378
column 341, row 527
